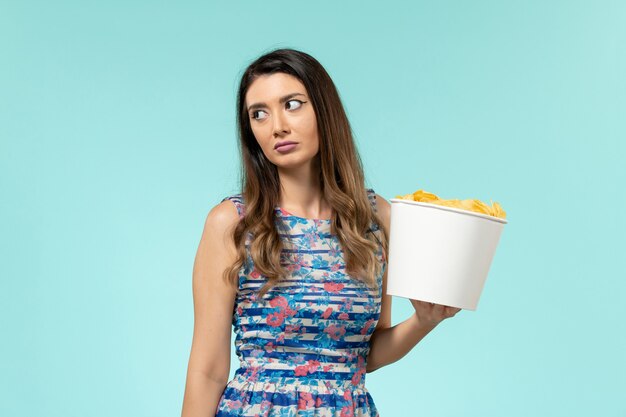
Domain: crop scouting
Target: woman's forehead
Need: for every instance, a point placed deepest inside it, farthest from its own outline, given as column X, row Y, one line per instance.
column 271, row 87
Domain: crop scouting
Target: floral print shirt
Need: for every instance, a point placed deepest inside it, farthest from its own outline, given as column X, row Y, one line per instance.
column 303, row 347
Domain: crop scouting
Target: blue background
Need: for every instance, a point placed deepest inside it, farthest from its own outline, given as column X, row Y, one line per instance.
column 117, row 136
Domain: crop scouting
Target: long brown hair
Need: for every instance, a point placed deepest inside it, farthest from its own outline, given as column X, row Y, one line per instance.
column 341, row 178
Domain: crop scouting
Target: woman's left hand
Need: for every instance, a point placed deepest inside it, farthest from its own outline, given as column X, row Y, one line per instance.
column 431, row 314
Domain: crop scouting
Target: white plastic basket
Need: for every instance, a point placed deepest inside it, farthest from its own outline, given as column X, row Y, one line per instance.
column 440, row 254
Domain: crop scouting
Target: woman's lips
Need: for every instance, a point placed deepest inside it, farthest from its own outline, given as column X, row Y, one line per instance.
column 286, row 148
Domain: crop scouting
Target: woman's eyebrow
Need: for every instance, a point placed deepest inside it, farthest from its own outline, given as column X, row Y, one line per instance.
column 281, row 100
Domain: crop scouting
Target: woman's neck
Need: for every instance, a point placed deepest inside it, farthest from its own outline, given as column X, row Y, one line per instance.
column 301, row 193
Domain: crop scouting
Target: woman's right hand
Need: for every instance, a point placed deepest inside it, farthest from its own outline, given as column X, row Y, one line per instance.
column 431, row 314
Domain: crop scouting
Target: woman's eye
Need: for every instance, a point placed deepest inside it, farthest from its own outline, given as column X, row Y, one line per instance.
column 255, row 112
column 297, row 101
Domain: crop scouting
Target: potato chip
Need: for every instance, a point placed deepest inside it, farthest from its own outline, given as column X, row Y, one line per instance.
column 498, row 211
column 423, row 196
column 474, row 205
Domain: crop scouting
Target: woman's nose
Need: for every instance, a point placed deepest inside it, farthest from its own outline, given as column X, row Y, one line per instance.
column 280, row 124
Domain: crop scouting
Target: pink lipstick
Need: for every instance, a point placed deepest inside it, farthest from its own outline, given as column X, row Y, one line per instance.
column 285, row 146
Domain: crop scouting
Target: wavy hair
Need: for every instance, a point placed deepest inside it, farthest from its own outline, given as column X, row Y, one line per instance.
column 341, row 178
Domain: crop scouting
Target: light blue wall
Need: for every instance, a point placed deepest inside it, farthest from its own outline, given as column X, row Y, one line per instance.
column 117, row 136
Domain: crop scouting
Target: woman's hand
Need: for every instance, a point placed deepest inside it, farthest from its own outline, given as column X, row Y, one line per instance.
column 431, row 314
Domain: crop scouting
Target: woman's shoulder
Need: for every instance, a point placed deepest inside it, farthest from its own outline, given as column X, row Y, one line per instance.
column 225, row 213
column 381, row 206
column 377, row 200
column 236, row 200
column 219, row 222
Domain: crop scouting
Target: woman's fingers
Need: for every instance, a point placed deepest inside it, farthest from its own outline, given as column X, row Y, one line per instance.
column 451, row 311
column 432, row 311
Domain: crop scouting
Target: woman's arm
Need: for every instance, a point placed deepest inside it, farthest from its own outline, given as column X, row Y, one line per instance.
column 209, row 360
column 389, row 344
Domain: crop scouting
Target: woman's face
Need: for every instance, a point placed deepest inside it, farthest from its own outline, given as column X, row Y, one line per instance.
column 279, row 110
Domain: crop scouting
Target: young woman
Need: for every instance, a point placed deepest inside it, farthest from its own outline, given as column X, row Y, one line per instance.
column 296, row 261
